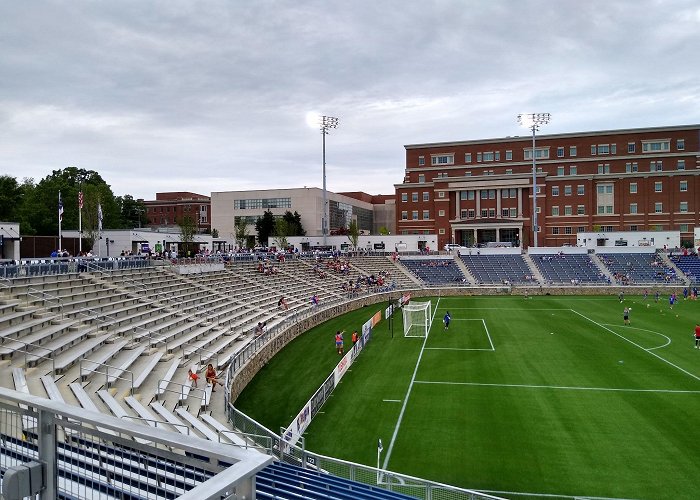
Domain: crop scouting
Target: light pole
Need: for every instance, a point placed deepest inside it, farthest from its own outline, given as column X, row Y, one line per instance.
column 533, row 121
column 325, row 123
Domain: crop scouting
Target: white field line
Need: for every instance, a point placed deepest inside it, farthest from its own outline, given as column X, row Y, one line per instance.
column 455, row 349
column 488, row 335
column 509, row 309
column 637, row 345
column 483, row 321
column 391, row 400
column 560, row 387
column 668, row 340
column 408, row 393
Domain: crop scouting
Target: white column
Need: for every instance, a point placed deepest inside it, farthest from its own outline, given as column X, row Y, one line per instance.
column 520, row 202
column 499, row 193
column 458, row 196
column 477, row 195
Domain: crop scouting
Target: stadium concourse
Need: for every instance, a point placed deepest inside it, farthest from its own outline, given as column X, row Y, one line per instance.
column 111, row 346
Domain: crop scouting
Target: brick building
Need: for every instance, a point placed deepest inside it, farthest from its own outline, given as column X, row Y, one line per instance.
column 168, row 209
column 476, row 192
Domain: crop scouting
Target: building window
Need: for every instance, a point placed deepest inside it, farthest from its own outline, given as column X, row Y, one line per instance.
column 633, row 188
column 683, row 186
column 658, row 187
column 421, row 160
column 513, row 212
column 603, row 149
column 567, row 190
column 656, row 146
column 681, row 165
column 593, row 149
column 658, row 207
column 567, row 210
column 492, row 213
column 555, row 211
column 631, row 147
column 492, row 194
column 484, row 213
column 580, row 190
column 608, row 209
column 555, row 230
column 581, row 229
column 478, row 157
column 421, row 178
column 442, row 159
column 414, row 215
column 472, row 213
column 560, row 152
column 497, row 156
column 509, row 171
column 581, row 210
column 441, row 194
column 509, row 155
column 601, row 209
column 484, row 194
column 505, row 212
column 404, row 197
column 426, row 214
column 656, row 166
column 603, row 168
column 404, row 215
column 633, row 208
column 540, row 153
column 441, row 213
column 560, row 170
column 567, row 230
column 441, row 230
column 555, row 190
column 680, row 144
column 683, row 207
column 572, row 150
column 631, row 167
column 467, row 157
column 605, row 188
column 462, row 214
column 572, row 170
column 426, row 196
column 488, row 156
column 634, row 227
column 683, row 228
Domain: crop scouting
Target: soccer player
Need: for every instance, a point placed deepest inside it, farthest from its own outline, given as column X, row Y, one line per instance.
column 446, row 320
column 656, row 296
column 339, row 342
column 697, row 336
column 626, row 315
column 621, row 296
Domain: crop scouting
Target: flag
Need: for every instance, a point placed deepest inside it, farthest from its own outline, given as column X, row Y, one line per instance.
column 80, row 200
column 380, row 447
column 99, row 217
column 60, row 207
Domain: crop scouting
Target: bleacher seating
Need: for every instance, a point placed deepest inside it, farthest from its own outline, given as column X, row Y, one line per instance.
column 499, row 269
column 569, row 269
column 435, row 271
column 638, row 268
column 689, row 265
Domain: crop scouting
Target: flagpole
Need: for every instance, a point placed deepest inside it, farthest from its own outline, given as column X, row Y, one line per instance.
column 60, row 216
column 379, row 453
column 80, row 222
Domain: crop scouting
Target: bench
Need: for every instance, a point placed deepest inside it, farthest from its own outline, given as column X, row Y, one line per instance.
column 87, row 403
column 117, row 409
column 199, row 426
column 52, row 389
column 21, row 385
column 92, row 365
column 124, row 366
column 152, row 362
column 165, row 381
column 223, row 430
column 170, row 418
column 65, row 359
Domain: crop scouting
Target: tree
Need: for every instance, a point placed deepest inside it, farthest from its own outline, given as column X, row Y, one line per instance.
column 265, row 226
column 240, row 232
column 354, row 234
column 214, row 233
column 282, row 230
column 294, row 227
column 11, row 196
column 132, row 212
column 187, row 231
column 384, row 231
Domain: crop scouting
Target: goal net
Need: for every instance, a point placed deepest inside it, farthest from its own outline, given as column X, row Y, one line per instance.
column 416, row 319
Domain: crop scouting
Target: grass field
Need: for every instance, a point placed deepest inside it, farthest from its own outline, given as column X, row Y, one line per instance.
column 548, row 395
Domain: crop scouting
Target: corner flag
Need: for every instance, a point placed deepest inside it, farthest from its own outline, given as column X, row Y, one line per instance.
column 380, row 447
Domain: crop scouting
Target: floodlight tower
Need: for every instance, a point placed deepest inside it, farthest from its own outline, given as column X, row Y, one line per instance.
column 533, row 121
column 325, row 123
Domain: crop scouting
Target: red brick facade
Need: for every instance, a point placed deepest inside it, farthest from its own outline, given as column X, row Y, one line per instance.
column 481, row 191
column 168, row 209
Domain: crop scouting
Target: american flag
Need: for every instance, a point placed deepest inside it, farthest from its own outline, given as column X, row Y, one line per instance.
column 99, row 217
column 80, row 199
column 60, row 207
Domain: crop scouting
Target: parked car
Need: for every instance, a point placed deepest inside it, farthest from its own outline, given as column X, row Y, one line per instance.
column 451, row 247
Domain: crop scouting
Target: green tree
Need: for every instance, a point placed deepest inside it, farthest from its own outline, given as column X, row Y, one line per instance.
column 240, row 232
column 11, row 197
column 265, row 227
column 188, row 228
column 354, row 234
column 384, row 231
column 132, row 212
column 282, row 230
column 294, row 226
column 214, row 233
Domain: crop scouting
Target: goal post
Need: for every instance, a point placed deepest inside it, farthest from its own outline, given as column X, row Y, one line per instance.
column 416, row 319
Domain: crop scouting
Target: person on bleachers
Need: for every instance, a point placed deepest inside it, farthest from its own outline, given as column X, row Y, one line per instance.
column 192, row 375
column 211, row 377
column 282, row 304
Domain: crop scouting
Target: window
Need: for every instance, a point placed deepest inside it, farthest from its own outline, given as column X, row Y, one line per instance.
column 539, row 210
column 658, row 187
column 631, row 167
column 468, row 174
column 441, row 213
column 555, row 211
column 445, row 159
column 680, row 144
column 631, row 147
column 484, row 194
column 580, row 190
column 478, row 157
column 467, row 157
column 472, row 213
column 601, row 209
column 560, row 152
column 560, row 170
column 593, row 150
column 603, row 149
column 634, row 227
column 657, row 227
column 404, row 215
column 581, row 229
column 633, row 188
column 656, row 146
column 572, row 170
column 555, row 190
column 683, row 207
column 658, row 207
column 540, row 153
column 613, row 149
column 513, row 212
column 603, row 168
column 555, row 230
column 683, row 186
column 605, row 188
column 404, row 197
column 683, row 228
column 567, row 230
column 462, row 214
column 488, row 156
column 656, row 166
column 421, row 160
column 504, row 193
column 426, row 214
column 567, row 210
column 504, row 212
column 414, row 197
column 581, row 210
column 421, row 177
column 509, row 171
column 633, row 208
column 572, row 150
column 414, row 215
column 509, row 155
column 497, row 156
column 681, row 165
column 567, row 190
column 513, row 192
column 608, row 209
column 492, row 212
column 426, row 196
column 441, row 230
column 441, row 194
column 492, row 194
column 484, row 213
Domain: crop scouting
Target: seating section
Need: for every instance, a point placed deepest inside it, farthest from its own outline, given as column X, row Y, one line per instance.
column 435, row 271
column 569, row 269
column 499, row 269
column 639, row 268
column 689, row 265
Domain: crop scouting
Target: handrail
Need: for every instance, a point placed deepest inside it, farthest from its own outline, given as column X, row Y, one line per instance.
column 29, row 344
column 156, row 422
column 106, row 373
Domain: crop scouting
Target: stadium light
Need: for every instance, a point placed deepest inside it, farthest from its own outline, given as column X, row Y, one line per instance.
column 533, row 121
column 325, row 123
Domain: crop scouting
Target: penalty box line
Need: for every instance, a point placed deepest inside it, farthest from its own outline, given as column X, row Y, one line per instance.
column 559, row 387
column 486, row 329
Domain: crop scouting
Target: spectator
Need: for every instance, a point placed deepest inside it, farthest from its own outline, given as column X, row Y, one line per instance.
column 211, row 377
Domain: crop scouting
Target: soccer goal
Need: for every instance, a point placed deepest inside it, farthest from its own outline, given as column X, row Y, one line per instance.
column 416, row 319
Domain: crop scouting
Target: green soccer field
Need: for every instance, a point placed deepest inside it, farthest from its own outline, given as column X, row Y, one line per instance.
column 548, row 396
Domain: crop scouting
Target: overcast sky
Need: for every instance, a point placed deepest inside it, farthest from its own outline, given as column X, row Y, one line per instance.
column 181, row 95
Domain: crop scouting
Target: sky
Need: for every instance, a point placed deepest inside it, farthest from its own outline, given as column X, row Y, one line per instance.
column 202, row 96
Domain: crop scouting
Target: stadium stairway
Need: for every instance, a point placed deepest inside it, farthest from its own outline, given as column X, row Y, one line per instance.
column 603, row 268
column 465, row 271
column 534, row 269
column 670, row 263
